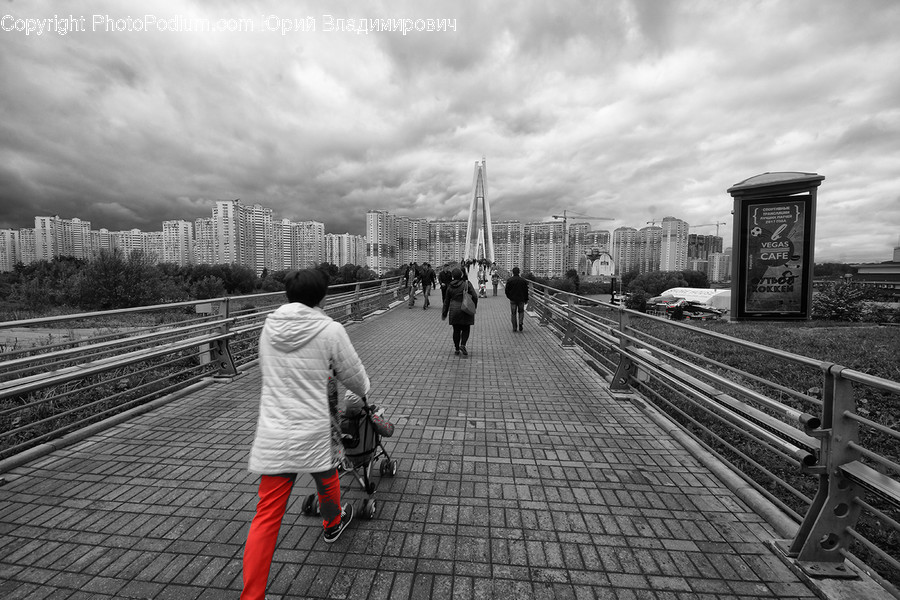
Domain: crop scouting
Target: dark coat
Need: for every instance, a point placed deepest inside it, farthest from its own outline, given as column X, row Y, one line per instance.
column 453, row 302
column 517, row 289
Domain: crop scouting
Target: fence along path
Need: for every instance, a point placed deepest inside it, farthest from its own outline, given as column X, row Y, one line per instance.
column 520, row 477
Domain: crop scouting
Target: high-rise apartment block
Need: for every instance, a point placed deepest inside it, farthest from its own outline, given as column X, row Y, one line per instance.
column 542, row 248
column 447, row 241
column 345, row 249
column 701, row 246
column 508, row 237
column 412, row 240
column 381, row 241
column 673, row 247
column 249, row 235
column 62, row 237
column 204, row 241
column 649, row 248
column 178, row 242
column 625, row 245
column 9, row 249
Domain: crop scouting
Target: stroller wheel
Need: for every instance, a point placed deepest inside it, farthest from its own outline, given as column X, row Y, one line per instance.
column 394, row 465
column 371, row 487
column 368, row 509
column 308, row 502
column 384, row 467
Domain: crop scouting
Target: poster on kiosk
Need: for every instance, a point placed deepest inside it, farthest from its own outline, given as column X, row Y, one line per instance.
column 773, row 231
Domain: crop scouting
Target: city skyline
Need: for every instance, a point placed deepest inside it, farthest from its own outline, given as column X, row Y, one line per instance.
column 625, row 109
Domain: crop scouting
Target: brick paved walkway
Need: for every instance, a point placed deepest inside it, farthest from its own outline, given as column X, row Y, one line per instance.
column 520, row 477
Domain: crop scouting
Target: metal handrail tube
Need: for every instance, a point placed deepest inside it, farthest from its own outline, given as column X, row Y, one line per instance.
column 805, row 360
column 37, row 382
column 798, row 395
column 33, row 424
column 762, row 434
column 865, row 378
column 102, row 313
column 774, row 478
column 881, row 460
column 596, row 332
column 880, row 515
column 895, row 564
column 786, row 411
column 864, row 421
column 117, row 335
column 139, row 338
column 18, row 408
column 151, row 308
column 76, row 424
column 127, row 344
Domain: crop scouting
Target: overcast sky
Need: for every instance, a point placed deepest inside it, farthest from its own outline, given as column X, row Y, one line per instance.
column 627, row 109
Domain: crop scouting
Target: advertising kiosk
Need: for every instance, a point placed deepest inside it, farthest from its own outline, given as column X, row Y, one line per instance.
column 773, row 238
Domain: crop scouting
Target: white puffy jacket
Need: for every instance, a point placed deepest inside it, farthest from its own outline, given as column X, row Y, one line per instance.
column 298, row 348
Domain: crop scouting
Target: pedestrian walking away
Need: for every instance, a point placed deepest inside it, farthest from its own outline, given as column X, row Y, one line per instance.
column 300, row 348
column 429, row 279
column 444, row 279
column 460, row 320
column 412, row 280
column 517, row 292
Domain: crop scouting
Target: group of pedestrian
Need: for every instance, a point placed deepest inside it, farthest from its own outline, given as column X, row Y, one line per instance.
column 415, row 276
column 301, row 351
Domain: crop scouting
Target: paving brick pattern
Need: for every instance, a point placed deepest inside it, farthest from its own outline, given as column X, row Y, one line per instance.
column 520, row 477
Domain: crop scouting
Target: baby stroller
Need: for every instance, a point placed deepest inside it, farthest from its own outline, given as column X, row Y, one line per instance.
column 361, row 428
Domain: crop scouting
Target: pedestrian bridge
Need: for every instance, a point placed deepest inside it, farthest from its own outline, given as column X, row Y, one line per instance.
column 525, row 472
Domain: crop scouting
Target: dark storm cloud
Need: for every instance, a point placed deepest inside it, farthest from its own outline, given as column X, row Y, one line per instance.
column 632, row 109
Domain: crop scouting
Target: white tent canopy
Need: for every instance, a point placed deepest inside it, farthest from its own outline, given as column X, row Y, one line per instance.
column 720, row 299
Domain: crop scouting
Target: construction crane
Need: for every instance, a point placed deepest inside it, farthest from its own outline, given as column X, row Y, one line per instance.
column 710, row 225
column 652, row 223
column 565, row 217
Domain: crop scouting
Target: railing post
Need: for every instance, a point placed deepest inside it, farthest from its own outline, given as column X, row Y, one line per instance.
column 383, row 300
column 823, row 535
column 355, row 308
column 622, row 379
column 545, row 308
column 569, row 337
column 220, row 352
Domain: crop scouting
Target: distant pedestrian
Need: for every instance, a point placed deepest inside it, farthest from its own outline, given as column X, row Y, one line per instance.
column 444, row 279
column 429, row 279
column 300, row 349
column 517, row 292
column 482, row 282
column 495, row 280
column 461, row 321
column 412, row 280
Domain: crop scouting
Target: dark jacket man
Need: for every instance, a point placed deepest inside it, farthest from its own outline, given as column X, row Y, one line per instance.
column 517, row 292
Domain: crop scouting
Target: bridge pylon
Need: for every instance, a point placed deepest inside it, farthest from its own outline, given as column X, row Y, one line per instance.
column 479, row 239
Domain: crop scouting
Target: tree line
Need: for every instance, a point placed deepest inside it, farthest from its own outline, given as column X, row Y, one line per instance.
column 113, row 280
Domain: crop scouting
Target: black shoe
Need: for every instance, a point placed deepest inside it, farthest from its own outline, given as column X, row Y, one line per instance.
column 463, row 350
column 515, row 329
column 334, row 532
column 457, row 352
column 520, row 328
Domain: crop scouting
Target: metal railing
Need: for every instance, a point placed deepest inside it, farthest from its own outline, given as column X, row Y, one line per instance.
column 60, row 374
column 754, row 406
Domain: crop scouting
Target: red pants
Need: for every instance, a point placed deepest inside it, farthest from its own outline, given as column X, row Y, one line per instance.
column 274, row 492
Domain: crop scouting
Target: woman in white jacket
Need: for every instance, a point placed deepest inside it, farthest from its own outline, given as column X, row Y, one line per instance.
column 299, row 349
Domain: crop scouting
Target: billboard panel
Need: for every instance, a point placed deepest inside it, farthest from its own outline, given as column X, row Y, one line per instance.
column 775, row 268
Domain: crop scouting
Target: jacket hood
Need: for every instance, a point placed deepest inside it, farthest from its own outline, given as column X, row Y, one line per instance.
column 294, row 325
